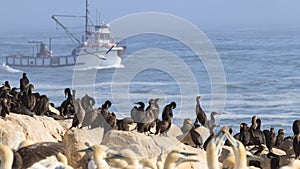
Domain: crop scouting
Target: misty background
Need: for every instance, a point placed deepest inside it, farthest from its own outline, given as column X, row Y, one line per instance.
column 35, row 15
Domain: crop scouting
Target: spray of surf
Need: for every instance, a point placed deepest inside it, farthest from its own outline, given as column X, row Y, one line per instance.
column 9, row 69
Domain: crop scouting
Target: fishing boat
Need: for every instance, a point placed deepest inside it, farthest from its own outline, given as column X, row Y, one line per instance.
column 96, row 43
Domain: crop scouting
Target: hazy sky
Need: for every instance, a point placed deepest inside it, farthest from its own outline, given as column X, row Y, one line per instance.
column 36, row 14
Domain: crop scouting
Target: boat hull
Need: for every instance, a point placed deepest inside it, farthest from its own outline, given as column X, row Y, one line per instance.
column 85, row 59
column 90, row 57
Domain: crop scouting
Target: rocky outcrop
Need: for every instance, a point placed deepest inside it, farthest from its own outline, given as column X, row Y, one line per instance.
column 174, row 131
column 16, row 128
column 142, row 145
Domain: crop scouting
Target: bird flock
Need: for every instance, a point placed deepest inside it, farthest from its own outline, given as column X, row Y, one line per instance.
column 251, row 147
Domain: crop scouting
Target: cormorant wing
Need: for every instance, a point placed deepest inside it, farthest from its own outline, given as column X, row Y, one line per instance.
column 137, row 115
column 39, row 151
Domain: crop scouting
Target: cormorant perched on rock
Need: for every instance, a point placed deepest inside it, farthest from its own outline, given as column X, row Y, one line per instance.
column 24, row 82
column 196, row 138
column 152, row 113
column 102, row 117
column 258, row 122
column 154, row 107
column 196, row 123
column 138, row 113
column 28, row 99
column 104, row 108
column 25, row 157
column 257, row 136
column 296, row 145
column 144, row 118
column 79, row 114
column 42, row 106
column 14, row 94
column 270, row 139
column 201, row 116
column 4, row 108
column 211, row 124
column 87, row 102
column 162, row 126
column 112, row 121
column 244, row 134
column 296, row 127
column 124, row 123
column 168, row 111
column 253, row 123
column 6, row 84
column 5, row 92
column 167, row 114
column 67, row 105
column 17, row 107
column 279, row 138
column 90, row 117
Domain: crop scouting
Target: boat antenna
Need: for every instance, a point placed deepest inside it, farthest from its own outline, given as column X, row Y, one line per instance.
column 96, row 17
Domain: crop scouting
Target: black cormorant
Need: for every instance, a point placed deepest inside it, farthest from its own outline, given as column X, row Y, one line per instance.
column 201, row 116
column 296, row 127
column 279, row 138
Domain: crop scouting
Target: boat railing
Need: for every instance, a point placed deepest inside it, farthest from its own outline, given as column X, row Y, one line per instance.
column 41, row 62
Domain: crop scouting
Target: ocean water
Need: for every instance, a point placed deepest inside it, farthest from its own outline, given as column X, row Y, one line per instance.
column 262, row 70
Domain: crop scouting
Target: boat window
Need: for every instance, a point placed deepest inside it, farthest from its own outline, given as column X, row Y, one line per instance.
column 104, row 35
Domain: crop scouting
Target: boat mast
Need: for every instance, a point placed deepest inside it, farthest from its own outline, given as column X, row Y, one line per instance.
column 86, row 19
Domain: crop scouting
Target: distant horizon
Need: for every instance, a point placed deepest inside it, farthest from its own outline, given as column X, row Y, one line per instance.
column 35, row 15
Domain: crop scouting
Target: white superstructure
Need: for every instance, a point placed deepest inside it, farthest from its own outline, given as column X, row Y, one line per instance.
column 102, row 46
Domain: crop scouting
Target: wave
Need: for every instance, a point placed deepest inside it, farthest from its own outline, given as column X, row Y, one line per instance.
column 99, row 67
column 9, row 69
